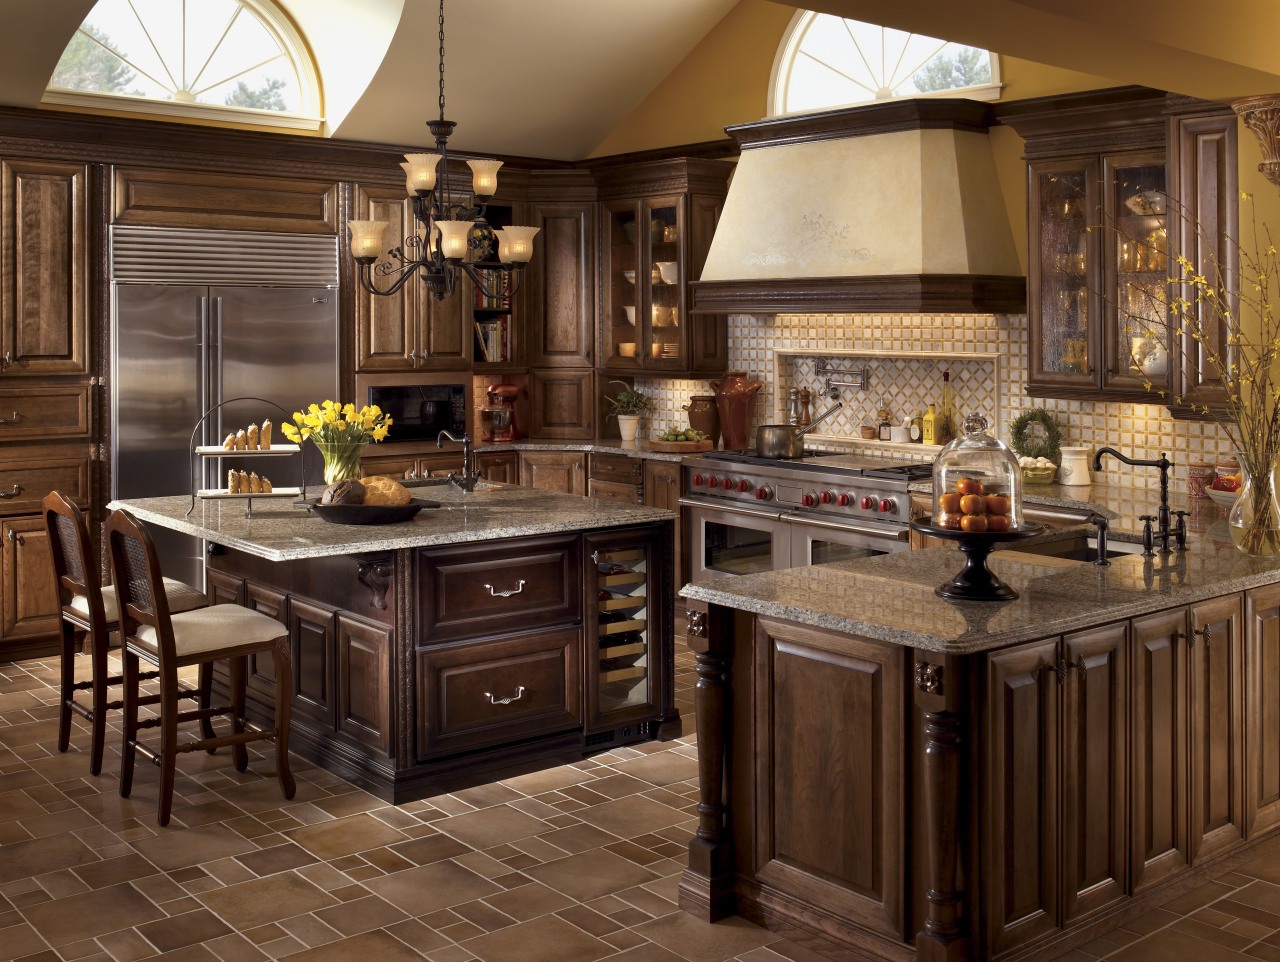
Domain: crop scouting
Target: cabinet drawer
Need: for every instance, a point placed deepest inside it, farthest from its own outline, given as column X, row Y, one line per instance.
column 487, row 589
column 489, row 692
column 616, row 491
column 43, row 412
column 27, row 475
column 617, row 467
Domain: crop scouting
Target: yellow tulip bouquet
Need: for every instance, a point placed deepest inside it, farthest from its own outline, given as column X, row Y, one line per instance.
column 339, row 432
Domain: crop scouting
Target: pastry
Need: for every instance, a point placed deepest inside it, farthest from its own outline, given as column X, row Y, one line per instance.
column 381, row 490
column 233, row 481
column 344, row 492
column 266, row 486
column 242, row 441
column 264, row 436
column 251, row 437
column 230, row 443
column 255, row 483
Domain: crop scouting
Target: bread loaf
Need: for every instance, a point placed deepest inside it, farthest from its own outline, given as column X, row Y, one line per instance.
column 382, row 490
column 344, row 492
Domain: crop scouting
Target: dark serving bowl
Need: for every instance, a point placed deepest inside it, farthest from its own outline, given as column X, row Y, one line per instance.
column 366, row 513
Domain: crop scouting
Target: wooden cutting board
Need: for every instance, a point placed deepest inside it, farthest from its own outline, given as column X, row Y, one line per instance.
column 680, row 447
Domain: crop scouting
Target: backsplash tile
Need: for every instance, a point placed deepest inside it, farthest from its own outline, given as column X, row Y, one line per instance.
column 1139, row 430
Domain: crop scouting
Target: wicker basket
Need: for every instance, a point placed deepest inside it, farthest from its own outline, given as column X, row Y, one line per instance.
column 1040, row 475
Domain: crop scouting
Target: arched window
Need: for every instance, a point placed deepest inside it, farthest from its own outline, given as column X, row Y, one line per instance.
column 826, row 62
column 192, row 58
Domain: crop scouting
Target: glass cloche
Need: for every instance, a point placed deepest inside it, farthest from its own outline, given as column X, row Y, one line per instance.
column 977, row 484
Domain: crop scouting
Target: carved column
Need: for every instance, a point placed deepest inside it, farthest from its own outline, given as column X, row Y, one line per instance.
column 1261, row 114
column 706, row 889
column 945, row 936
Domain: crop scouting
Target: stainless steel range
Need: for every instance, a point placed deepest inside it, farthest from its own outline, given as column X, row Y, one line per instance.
column 749, row 514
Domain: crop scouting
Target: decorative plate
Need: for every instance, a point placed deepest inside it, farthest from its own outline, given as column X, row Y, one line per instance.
column 366, row 513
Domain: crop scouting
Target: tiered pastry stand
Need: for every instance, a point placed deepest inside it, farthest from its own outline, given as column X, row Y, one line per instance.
column 218, row 451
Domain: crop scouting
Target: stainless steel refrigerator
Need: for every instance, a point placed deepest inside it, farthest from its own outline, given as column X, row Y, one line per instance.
column 179, row 350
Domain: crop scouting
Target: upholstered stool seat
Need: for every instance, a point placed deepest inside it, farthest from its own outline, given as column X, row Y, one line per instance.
column 152, row 633
column 90, row 611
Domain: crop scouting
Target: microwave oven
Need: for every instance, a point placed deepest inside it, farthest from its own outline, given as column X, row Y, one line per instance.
column 420, row 412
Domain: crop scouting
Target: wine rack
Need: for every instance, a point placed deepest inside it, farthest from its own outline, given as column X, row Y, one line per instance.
column 622, row 599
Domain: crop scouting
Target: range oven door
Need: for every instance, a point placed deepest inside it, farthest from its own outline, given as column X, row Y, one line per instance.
column 814, row 541
column 739, row 541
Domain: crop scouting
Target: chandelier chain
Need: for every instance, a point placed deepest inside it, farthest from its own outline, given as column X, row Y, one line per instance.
column 441, row 21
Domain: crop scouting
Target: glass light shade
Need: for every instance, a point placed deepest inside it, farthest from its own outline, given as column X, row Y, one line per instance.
column 515, row 244
column 484, row 177
column 366, row 237
column 453, row 238
column 420, row 172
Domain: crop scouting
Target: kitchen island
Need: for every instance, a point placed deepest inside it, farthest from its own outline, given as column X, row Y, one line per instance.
column 505, row 627
column 885, row 774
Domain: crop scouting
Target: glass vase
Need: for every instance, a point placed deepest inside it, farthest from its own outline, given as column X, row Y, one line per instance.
column 1254, row 519
column 341, row 459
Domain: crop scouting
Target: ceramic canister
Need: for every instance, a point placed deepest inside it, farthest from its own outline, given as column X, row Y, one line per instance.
column 1199, row 476
column 1074, row 469
column 704, row 416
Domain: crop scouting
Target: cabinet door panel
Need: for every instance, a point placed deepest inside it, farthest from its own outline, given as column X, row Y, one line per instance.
column 560, row 287
column 262, row 666
column 445, row 338
column 364, row 683
column 223, row 589
column 44, row 306
column 563, row 405
column 561, row 471
column 840, row 846
column 662, row 490
column 1158, row 779
column 386, row 327
column 1023, row 791
column 1094, row 770
column 311, row 632
column 28, row 597
column 503, row 468
column 1262, row 671
column 1216, row 684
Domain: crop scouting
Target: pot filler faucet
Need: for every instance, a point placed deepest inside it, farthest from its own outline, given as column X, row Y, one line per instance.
column 467, row 480
column 1178, row 531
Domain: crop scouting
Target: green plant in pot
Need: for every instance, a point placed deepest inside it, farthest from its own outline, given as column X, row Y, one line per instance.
column 1036, row 438
column 628, row 406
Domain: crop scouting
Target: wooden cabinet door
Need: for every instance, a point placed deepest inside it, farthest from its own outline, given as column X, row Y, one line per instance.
column 262, row 666
column 1022, row 790
column 397, row 467
column 1095, row 739
column 500, row 466
column 562, row 471
column 1262, row 707
column 386, row 327
column 444, row 335
column 311, row 635
column 559, row 286
column 44, row 300
column 28, row 598
column 662, row 490
column 1158, row 756
column 222, row 588
column 1216, row 727
column 830, row 795
column 364, row 682
column 563, row 404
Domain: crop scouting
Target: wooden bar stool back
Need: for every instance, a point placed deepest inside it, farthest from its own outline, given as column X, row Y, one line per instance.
column 89, row 614
column 151, row 633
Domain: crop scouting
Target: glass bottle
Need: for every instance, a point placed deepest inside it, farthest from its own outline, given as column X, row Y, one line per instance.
column 977, row 484
column 946, row 416
column 794, row 416
column 884, row 430
column 929, row 426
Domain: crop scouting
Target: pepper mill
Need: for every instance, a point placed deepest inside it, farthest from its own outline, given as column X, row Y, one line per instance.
column 806, row 412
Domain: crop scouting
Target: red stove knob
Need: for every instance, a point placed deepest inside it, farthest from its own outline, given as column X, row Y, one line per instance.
column 764, row 493
column 713, row 481
column 868, row 503
column 843, row 500
column 808, row 500
column 887, row 505
column 726, row 483
column 744, row 486
column 697, row 480
column 826, row 497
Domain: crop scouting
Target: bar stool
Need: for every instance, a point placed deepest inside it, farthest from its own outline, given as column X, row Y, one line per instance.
column 169, row 641
column 90, row 612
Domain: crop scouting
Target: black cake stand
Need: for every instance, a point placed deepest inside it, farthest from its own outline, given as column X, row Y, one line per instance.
column 977, row 582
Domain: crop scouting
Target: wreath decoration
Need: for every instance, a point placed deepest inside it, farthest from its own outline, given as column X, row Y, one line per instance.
column 1033, row 447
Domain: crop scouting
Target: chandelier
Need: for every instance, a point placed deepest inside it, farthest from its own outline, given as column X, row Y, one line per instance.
column 452, row 234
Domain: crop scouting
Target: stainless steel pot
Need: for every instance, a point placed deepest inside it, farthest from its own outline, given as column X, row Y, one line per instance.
column 787, row 440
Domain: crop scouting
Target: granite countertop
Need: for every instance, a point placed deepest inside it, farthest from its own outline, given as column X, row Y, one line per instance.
column 279, row 532
column 891, row 597
column 635, row 449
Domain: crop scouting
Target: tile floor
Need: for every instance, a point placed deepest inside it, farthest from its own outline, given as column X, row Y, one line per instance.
column 574, row 864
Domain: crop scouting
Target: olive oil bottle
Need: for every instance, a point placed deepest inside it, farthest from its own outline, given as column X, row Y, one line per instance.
column 929, row 426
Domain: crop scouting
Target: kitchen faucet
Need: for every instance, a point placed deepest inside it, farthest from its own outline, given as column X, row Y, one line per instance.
column 1165, row 530
column 467, row 480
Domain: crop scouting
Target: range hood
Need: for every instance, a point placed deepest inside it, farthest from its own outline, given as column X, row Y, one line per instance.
column 888, row 208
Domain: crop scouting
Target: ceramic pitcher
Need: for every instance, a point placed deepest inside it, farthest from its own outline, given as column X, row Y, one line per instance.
column 704, row 416
column 735, row 397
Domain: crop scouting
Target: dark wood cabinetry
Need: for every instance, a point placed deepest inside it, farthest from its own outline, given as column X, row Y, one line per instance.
column 662, row 490
column 562, row 471
column 28, row 598
column 499, row 466
column 364, row 682
column 559, row 285
column 563, row 403
column 1262, row 675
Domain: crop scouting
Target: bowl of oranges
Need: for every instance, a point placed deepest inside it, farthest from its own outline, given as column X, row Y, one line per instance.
column 972, row 508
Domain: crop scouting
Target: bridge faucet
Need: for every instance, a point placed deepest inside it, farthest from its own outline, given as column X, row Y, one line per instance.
column 1163, row 464
column 467, row 480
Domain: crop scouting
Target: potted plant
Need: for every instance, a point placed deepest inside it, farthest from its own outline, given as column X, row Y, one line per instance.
column 628, row 405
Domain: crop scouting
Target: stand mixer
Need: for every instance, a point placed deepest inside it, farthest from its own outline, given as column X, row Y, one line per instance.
column 498, row 418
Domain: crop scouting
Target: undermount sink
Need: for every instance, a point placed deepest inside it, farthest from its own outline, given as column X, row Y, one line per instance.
column 1079, row 549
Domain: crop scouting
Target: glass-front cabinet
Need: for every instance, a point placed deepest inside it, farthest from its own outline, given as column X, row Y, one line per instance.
column 1098, row 277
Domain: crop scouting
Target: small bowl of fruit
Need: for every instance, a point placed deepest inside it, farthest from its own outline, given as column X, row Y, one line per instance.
column 971, row 509
column 1225, row 486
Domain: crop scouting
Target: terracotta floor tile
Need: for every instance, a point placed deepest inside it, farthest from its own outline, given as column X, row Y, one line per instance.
column 40, row 855
column 19, row 941
column 266, row 900
column 179, row 848
column 1268, row 953
column 529, row 901
column 278, row 858
column 126, row 946
column 590, row 874
column 535, row 783
column 660, row 768
column 345, row 836
column 579, row 838
column 360, row 915
column 628, row 817
column 428, row 888
column 371, row 947
column 187, row 929
column 19, row 804
column 91, row 914
column 699, row 941
column 618, row 785
column 491, row 826
column 349, row 803
column 591, row 922
column 647, row 952
column 486, row 796
column 1167, row 945
column 548, row 939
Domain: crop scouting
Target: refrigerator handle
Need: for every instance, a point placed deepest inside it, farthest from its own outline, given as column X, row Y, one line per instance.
column 202, row 362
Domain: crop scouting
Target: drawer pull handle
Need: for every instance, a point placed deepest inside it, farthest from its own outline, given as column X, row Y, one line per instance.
column 506, row 594
column 6, row 495
column 509, row 699
column 14, row 536
column 12, row 420
column 1206, row 633
column 8, row 359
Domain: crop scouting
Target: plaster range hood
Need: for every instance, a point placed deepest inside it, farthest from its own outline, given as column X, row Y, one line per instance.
column 888, row 208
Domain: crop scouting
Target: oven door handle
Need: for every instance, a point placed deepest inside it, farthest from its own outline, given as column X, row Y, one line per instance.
column 889, row 534
column 734, row 507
